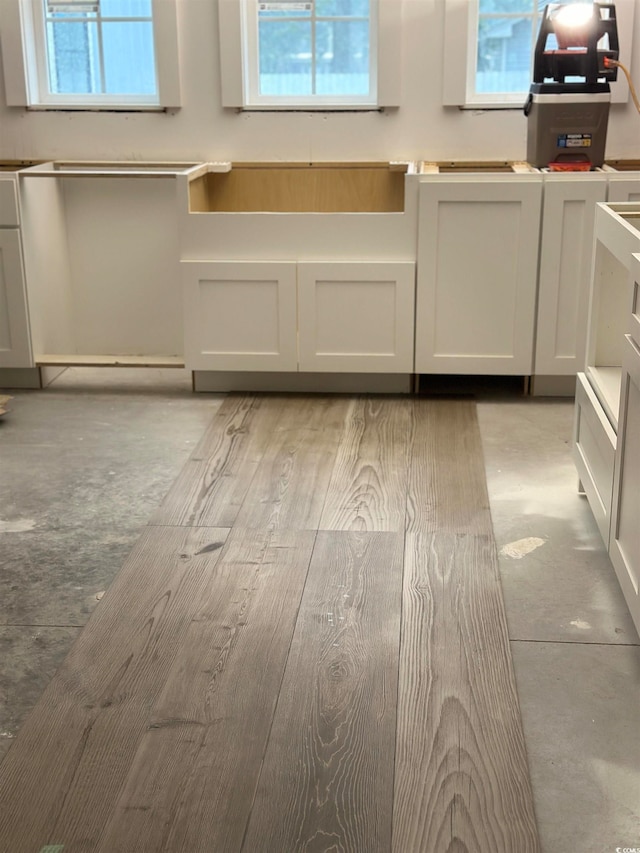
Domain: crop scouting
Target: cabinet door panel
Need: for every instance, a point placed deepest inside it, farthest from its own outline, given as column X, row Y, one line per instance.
column 239, row 316
column 565, row 264
column 594, row 447
column 477, row 275
column 356, row 317
column 624, row 545
column 15, row 339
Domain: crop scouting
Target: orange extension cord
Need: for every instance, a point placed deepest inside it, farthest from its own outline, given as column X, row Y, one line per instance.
column 615, row 62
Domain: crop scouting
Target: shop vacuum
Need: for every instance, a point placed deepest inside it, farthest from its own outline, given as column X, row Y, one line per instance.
column 568, row 104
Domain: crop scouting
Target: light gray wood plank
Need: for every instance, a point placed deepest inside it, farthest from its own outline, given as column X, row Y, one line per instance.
column 291, row 482
column 328, row 773
column 447, row 486
column 462, row 780
column 368, row 485
column 212, row 485
column 60, row 780
column 193, row 779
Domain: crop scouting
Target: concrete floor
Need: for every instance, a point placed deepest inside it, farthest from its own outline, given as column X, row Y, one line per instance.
column 85, row 461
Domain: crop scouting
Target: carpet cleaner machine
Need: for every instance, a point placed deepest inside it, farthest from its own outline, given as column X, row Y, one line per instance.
column 567, row 109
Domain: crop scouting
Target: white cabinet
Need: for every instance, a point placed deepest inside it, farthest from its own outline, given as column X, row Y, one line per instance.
column 624, row 538
column 15, row 339
column 607, row 423
column 102, row 262
column 624, row 180
column 299, row 316
column 477, row 273
column 566, row 248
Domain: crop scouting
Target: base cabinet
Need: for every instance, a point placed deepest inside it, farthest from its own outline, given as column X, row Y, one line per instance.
column 566, row 247
column 309, row 316
column 624, row 539
column 15, row 338
column 477, row 275
column 607, row 416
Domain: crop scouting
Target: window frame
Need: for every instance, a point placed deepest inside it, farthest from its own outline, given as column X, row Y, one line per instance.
column 460, row 52
column 234, row 61
column 22, row 35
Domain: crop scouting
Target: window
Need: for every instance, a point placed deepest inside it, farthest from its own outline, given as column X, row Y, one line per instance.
column 489, row 47
column 317, row 54
column 113, row 54
column 311, row 50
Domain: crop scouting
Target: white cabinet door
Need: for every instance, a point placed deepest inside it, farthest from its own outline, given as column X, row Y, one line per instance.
column 624, row 541
column 477, row 275
column 594, row 449
column 565, row 271
column 239, row 316
column 15, row 339
column 356, row 317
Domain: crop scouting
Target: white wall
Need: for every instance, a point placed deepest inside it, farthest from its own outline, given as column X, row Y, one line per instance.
column 420, row 129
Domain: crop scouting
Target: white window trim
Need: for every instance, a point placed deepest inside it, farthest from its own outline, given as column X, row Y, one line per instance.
column 20, row 67
column 460, row 49
column 234, row 64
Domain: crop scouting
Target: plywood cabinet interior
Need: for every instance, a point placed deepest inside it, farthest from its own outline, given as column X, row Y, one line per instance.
column 477, row 274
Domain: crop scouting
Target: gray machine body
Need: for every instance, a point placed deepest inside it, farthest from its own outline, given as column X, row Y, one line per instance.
column 567, row 128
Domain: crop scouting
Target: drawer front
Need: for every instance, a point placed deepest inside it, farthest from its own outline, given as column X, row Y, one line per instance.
column 9, row 214
column 594, row 453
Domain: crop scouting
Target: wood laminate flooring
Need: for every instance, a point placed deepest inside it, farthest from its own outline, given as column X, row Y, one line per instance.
column 305, row 651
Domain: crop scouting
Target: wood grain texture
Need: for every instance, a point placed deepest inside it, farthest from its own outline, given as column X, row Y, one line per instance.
column 193, row 778
column 280, row 688
column 447, row 486
column 462, row 780
column 368, row 487
column 328, row 773
column 215, row 480
column 291, row 481
column 76, row 746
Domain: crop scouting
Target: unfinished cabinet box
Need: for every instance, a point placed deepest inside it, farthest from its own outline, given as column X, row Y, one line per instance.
column 566, row 248
column 15, row 338
column 344, row 233
column 102, row 262
column 607, row 423
column 477, row 272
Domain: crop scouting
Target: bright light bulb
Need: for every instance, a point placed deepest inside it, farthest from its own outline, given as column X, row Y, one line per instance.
column 574, row 15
